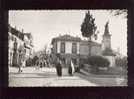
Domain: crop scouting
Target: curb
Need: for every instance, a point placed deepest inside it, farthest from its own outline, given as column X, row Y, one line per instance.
column 99, row 76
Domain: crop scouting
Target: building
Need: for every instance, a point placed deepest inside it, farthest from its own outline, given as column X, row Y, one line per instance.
column 73, row 48
column 89, row 48
column 67, row 47
column 28, row 43
column 16, row 41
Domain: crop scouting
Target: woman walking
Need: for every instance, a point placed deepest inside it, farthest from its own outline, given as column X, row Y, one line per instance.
column 71, row 69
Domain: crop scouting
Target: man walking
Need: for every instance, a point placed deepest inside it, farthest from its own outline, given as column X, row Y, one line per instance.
column 21, row 59
column 59, row 67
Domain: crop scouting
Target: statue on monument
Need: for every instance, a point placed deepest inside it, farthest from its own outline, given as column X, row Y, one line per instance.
column 106, row 28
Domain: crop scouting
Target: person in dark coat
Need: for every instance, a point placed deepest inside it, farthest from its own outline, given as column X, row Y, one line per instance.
column 59, row 68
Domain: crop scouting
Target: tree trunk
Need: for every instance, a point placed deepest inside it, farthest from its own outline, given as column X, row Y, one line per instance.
column 89, row 46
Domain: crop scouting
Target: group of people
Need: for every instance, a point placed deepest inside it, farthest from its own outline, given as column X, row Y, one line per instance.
column 59, row 64
column 42, row 63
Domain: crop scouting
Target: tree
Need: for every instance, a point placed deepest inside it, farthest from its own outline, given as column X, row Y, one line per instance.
column 119, row 12
column 88, row 26
column 34, row 60
column 121, row 62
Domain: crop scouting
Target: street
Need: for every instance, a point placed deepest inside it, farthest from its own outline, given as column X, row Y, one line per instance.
column 46, row 77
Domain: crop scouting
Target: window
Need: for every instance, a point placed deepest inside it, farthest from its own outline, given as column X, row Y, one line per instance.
column 74, row 48
column 55, row 48
column 62, row 47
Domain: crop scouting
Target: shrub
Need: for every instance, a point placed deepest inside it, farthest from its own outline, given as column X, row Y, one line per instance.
column 29, row 62
column 34, row 60
column 82, row 62
column 98, row 61
column 121, row 62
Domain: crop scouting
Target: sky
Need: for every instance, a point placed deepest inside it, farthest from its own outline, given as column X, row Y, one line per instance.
column 47, row 24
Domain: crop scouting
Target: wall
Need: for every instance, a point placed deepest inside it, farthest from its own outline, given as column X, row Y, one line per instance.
column 68, row 47
column 78, row 47
column 111, row 60
column 84, row 49
column 58, row 46
column 55, row 47
column 11, row 47
column 96, row 50
column 106, row 43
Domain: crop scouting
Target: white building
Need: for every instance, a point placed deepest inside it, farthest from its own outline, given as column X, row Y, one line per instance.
column 16, row 39
column 67, row 47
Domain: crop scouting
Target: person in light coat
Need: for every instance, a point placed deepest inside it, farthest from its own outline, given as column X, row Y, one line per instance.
column 71, row 69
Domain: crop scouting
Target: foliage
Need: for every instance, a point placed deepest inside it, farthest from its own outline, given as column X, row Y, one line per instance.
column 34, row 60
column 108, row 51
column 119, row 12
column 29, row 62
column 88, row 26
column 98, row 61
column 83, row 61
column 121, row 62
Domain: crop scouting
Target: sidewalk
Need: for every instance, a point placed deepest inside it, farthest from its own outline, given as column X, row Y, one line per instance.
column 37, row 70
column 104, row 80
column 99, row 75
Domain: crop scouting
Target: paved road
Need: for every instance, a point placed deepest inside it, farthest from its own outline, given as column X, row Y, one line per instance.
column 32, row 77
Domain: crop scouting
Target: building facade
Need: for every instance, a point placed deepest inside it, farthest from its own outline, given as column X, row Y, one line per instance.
column 16, row 42
column 67, row 47
column 28, row 44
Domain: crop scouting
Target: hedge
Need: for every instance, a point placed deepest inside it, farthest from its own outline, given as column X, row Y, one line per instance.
column 98, row 61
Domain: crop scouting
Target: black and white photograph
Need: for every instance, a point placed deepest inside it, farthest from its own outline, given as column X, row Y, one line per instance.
column 67, row 48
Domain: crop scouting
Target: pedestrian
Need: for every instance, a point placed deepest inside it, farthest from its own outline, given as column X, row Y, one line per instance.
column 44, row 64
column 23, row 63
column 59, row 68
column 21, row 57
column 37, row 64
column 71, row 69
column 20, row 62
column 41, row 64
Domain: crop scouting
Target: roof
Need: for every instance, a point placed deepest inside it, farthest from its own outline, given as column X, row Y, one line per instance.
column 66, row 38
column 71, row 38
column 16, row 32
